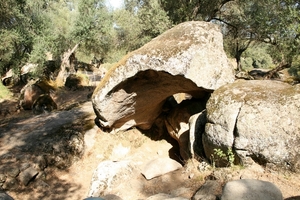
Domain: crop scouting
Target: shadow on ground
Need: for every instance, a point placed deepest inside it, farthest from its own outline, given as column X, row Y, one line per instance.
column 43, row 143
column 293, row 198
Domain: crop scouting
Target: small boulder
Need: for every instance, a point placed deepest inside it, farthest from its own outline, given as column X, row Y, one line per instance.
column 10, row 184
column 43, row 104
column 29, row 94
column 112, row 197
column 162, row 196
column 8, row 78
column 4, row 196
column 107, row 173
column 32, row 91
column 251, row 189
column 210, row 190
column 12, row 171
column 75, row 82
column 27, row 175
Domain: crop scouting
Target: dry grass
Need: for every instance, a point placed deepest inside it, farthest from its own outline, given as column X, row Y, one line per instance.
column 4, row 93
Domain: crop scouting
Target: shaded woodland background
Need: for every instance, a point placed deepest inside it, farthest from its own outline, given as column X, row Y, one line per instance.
column 256, row 34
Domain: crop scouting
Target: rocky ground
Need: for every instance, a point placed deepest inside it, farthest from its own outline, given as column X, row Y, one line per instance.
column 24, row 137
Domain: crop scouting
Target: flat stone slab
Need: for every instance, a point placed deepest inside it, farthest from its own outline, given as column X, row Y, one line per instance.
column 159, row 167
column 27, row 175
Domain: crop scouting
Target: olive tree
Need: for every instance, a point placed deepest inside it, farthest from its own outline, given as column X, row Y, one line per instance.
column 139, row 22
column 15, row 34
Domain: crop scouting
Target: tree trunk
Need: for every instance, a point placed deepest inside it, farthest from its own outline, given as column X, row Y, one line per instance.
column 238, row 56
column 271, row 74
column 238, row 62
column 67, row 63
column 239, row 51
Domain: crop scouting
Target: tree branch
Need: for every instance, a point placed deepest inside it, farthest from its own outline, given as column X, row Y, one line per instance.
column 270, row 74
column 65, row 63
column 227, row 23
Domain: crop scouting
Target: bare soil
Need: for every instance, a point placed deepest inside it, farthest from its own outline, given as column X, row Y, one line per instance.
column 137, row 146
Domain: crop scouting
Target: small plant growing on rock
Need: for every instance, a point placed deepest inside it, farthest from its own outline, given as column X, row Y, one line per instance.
column 220, row 156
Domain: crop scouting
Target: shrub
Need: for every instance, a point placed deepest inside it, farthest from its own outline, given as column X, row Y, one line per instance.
column 257, row 56
column 220, row 156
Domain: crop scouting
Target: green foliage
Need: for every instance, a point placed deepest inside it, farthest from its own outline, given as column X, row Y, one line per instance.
column 279, row 27
column 92, row 28
column 257, row 57
column 115, row 55
column 54, row 30
column 246, row 22
column 29, row 29
column 139, row 23
column 295, row 68
column 247, row 63
column 84, row 57
column 40, row 28
column 4, row 92
column 107, row 66
column 15, row 34
column 220, row 156
column 52, row 26
column 127, row 30
column 8, row 39
column 153, row 19
column 181, row 10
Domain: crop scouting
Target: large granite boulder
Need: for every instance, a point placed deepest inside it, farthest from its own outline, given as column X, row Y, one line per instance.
column 258, row 119
column 188, row 58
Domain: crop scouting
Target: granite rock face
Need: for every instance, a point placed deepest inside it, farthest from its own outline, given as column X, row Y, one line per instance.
column 258, row 119
column 188, row 58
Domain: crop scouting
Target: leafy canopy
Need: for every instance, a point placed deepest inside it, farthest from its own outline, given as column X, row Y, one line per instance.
column 30, row 29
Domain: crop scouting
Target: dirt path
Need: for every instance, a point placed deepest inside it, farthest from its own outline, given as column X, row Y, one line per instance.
column 74, row 182
column 19, row 136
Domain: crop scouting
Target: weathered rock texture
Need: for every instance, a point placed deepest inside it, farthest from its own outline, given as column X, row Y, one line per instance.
column 178, row 126
column 196, row 129
column 251, row 189
column 105, row 174
column 258, row 119
column 188, row 58
column 28, row 95
column 4, row 196
column 160, row 166
column 162, row 196
column 36, row 95
column 210, row 190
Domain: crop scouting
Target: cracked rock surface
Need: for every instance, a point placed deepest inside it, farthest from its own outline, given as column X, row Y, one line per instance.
column 259, row 119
